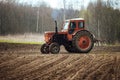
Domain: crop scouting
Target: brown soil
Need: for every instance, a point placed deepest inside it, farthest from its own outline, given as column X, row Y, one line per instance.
column 20, row 61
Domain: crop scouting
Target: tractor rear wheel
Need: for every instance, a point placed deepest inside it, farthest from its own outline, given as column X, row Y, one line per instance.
column 44, row 49
column 83, row 41
column 54, row 48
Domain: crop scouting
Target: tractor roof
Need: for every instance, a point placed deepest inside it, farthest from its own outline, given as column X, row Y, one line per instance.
column 75, row 19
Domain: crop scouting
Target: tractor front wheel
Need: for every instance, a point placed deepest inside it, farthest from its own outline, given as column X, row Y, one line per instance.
column 44, row 49
column 54, row 48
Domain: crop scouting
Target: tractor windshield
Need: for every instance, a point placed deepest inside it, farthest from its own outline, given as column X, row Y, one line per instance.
column 66, row 25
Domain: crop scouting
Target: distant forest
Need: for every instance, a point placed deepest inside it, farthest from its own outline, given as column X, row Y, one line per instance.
column 102, row 18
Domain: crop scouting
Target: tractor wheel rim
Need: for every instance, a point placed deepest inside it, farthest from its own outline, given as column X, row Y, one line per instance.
column 84, row 42
column 55, row 49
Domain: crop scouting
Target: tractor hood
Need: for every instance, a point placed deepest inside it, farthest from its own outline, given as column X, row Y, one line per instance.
column 48, row 35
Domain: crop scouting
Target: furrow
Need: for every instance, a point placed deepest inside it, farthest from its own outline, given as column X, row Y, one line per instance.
column 47, row 69
column 97, row 73
column 87, row 68
column 36, row 68
column 7, row 57
column 96, row 66
column 62, row 70
column 28, row 67
column 81, row 70
column 76, row 67
column 59, row 66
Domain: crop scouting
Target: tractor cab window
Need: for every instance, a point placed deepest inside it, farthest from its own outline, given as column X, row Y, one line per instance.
column 72, row 25
column 81, row 24
column 66, row 25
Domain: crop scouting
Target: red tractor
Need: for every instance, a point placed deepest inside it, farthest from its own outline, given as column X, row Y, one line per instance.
column 73, row 37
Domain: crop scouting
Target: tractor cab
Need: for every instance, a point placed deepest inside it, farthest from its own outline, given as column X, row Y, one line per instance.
column 71, row 26
column 77, row 23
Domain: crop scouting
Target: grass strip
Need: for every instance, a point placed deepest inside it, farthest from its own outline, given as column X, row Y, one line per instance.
column 20, row 42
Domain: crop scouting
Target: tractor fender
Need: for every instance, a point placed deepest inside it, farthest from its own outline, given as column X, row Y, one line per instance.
column 94, row 39
column 80, row 31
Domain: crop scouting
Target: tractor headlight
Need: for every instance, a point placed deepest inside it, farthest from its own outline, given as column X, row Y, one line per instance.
column 48, row 36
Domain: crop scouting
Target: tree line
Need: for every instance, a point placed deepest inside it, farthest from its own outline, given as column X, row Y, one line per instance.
column 102, row 18
column 19, row 18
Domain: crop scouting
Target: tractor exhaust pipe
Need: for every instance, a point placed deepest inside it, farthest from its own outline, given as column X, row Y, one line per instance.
column 56, row 28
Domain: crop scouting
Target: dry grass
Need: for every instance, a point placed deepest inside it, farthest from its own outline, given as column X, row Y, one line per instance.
column 25, row 38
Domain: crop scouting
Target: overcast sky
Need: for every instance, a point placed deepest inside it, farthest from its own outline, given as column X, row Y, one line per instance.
column 57, row 3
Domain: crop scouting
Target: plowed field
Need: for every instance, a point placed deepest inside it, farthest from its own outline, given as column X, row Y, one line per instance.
column 25, row 62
